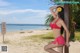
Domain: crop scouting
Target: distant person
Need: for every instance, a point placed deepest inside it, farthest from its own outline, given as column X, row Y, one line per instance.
column 58, row 26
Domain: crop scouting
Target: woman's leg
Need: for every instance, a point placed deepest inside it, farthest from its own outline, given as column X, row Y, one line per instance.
column 49, row 48
column 60, row 49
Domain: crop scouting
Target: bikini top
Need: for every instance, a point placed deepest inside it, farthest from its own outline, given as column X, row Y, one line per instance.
column 54, row 26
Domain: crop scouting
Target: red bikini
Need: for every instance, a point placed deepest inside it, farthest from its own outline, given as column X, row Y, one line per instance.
column 60, row 39
column 54, row 26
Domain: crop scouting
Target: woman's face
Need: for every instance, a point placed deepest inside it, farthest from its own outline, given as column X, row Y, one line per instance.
column 58, row 9
column 56, row 12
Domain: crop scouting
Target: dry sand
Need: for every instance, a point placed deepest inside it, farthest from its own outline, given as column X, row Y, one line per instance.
column 16, row 44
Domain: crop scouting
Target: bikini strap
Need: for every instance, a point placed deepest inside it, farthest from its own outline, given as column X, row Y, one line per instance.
column 56, row 20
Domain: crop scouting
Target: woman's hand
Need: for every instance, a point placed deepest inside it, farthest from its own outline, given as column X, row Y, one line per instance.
column 51, row 8
column 67, row 44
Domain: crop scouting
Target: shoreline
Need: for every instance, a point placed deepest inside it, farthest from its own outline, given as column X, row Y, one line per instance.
column 27, row 31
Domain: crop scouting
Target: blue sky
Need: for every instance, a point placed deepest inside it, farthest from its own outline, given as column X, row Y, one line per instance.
column 24, row 11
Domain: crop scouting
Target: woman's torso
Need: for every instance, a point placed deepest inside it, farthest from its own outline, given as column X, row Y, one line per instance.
column 56, row 27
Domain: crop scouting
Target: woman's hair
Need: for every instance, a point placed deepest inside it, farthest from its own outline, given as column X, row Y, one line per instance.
column 61, row 15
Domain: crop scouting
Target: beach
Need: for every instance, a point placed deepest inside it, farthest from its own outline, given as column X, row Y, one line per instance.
column 18, row 43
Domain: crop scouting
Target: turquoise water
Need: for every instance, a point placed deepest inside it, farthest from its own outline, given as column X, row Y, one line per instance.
column 18, row 27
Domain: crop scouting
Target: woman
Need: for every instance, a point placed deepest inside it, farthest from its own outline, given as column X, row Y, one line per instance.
column 58, row 26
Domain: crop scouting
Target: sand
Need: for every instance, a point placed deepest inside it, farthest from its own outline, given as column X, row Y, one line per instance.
column 15, row 43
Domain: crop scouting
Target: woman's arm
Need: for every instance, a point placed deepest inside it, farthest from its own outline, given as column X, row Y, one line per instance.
column 67, row 31
column 63, row 34
column 52, row 11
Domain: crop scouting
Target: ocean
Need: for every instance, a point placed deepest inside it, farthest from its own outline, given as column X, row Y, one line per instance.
column 18, row 27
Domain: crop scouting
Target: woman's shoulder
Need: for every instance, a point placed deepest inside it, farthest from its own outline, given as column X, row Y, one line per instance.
column 61, row 21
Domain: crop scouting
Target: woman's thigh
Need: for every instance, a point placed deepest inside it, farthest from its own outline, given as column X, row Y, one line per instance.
column 51, row 45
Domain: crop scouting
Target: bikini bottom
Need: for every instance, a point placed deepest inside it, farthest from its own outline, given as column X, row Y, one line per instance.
column 59, row 40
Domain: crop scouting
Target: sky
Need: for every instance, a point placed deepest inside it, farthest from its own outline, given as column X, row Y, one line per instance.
column 24, row 11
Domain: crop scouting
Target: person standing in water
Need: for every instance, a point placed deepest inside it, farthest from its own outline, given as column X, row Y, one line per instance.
column 58, row 26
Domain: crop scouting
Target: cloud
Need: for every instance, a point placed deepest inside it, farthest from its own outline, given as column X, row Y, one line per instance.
column 4, row 3
column 24, row 16
column 7, row 12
